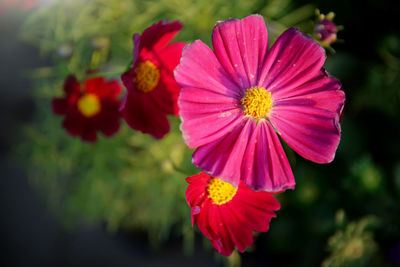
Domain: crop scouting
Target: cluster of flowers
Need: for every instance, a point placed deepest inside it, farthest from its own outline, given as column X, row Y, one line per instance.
column 234, row 102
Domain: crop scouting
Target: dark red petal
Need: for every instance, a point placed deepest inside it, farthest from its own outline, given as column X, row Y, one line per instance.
column 71, row 85
column 128, row 78
column 94, row 85
column 170, row 57
column 74, row 123
column 203, row 219
column 241, row 236
column 256, row 208
column 140, row 112
column 222, row 241
column 89, row 135
column 109, row 117
column 113, row 90
column 60, row 105
column 196, row 190
column 158, row 35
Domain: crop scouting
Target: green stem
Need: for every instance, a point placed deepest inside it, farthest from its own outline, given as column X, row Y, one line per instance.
column 105, row 74
column 179, row 169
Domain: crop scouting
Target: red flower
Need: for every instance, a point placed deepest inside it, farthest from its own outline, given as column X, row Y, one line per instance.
column 152, row 90
column 227, row 215
column 89, row 107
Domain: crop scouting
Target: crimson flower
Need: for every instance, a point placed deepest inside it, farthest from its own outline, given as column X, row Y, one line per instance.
column 236, row 100
column 89, row 107
column 152, row 92
column 228, row 215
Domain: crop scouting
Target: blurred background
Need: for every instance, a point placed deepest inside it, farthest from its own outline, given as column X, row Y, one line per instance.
column 121, row 201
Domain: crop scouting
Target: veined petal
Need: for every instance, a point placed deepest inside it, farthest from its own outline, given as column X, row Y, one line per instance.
column 312, row 132
column 206, row 116
column 255, row 209
column 223, row 158
column 321, row 81
column 240, row 46
column 200, row 68
column 265, row 166
column 293, row 60
column 217, row 93
column 222, row 241
column 241, row 236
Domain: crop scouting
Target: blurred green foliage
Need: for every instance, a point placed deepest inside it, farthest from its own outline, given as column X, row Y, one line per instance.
column 352, row 246
column 135, row 183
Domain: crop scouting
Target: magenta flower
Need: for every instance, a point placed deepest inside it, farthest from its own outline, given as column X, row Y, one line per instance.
column 236, row 99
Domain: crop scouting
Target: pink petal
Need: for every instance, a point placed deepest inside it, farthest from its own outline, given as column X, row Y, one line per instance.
column 265, row 166
column 136, row 47
column 321, row 81
column 240, row 46
column 223, row 158
column 200, row 68
column 293, row 60
column 312, row 132
column 209, row 107
column 330, row 100
column 206, row 116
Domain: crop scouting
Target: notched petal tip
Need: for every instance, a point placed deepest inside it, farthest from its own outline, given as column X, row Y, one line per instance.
column 277, row 190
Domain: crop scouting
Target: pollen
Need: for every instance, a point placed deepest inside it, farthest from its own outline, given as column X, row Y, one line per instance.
column 89, row 105
column 257, row 102
column 146, row 76
column 220, row 192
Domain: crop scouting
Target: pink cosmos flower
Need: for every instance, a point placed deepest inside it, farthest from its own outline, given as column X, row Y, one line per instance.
column 237, row 99
column 228, row 215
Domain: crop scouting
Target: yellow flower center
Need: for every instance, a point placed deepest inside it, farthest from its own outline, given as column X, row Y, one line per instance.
column 89, row 105
column 219, row 191
column 147, row 76
column 257, row 102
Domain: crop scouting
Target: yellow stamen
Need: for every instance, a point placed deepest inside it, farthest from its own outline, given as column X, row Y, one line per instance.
column 89, row 105
column 147, row 76
column 220, row 192
column 257, row 102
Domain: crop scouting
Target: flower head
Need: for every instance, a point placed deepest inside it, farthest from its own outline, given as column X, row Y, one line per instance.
column 236, row 100
column 89, row 107
column 228, row 215
column 152, row 90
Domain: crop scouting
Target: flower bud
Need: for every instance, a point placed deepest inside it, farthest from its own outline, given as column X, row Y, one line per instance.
column 100, row 43
column 325, row 29
column 65, row 50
